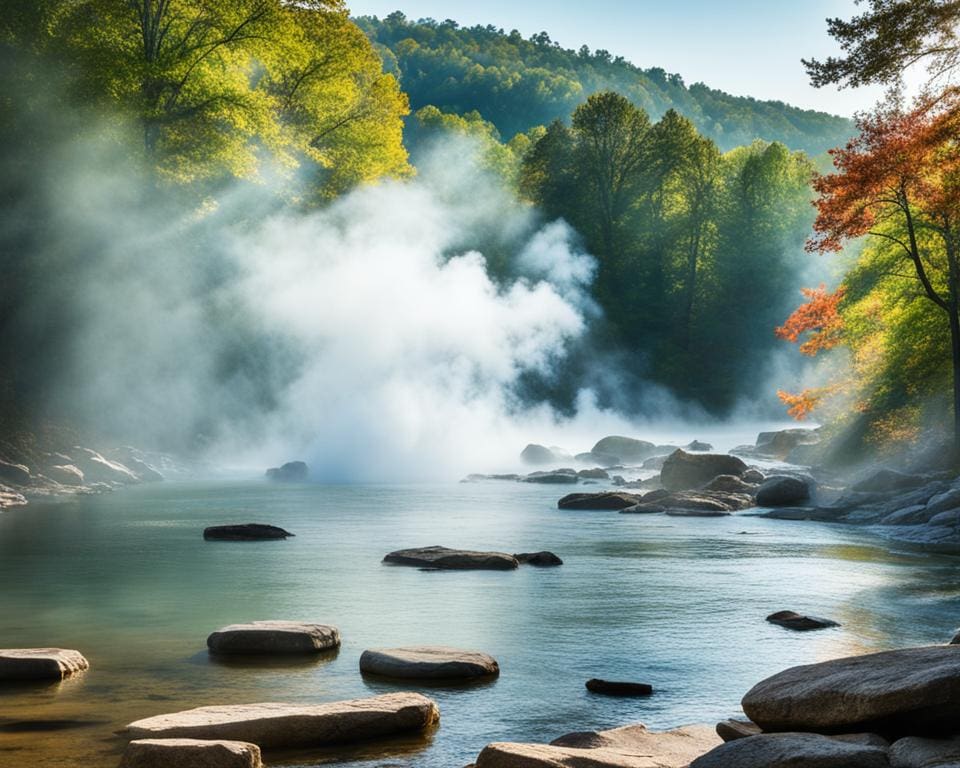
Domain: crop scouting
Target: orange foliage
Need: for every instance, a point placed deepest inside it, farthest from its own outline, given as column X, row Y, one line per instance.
column 801, row 405
column 819, row 316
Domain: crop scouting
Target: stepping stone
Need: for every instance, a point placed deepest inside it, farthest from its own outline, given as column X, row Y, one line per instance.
column 190, row 753
column 452, row 559
column 428, row 663
column 272, row 725
column 40, row 663
column 245, row 532
column 799, row 622
column 274, row 637
column 610, row 688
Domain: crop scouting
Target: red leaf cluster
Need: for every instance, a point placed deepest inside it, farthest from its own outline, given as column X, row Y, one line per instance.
column 819, row 316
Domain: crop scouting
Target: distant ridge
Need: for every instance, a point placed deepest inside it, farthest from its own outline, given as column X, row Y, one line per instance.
column 518, row 83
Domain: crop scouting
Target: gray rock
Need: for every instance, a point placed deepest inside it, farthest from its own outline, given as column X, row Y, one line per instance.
column 291, row 472
column 604, row 500
column 793, row 750
column 428, row 662
column 452, row 559
column 557, row 477
column 754, row 476
column 914, row 691
column 691, row 501
column 274, row 638
column 696, row 445
column 538, row 454
column 949, row 518
column 18, row 474
column 542, row 559
column 190, row 753
column 606, row 460
column 731, row 730
column 782, row 491
column 97, row 469
column 65, row 474
column 886, row 480
column 245, row 532
column 612, row 688
column 10, row 498
column 685, row 471
column 914, row 515
column 654, row 462
column 915, row 752
column 271, row 725
column 40, row 663
column 628, row 450
column 594, row 474
column 730, row 484
column 799, row 622
column 944, row 501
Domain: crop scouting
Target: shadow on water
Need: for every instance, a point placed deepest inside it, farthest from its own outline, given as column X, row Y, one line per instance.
column 254, row 661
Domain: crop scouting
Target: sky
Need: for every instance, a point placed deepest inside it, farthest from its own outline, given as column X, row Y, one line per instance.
column 743, row 47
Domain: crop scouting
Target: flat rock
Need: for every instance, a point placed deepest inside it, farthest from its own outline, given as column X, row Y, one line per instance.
column 594, row 474
column 190, row 753
column 245, row 532
column 731, row 730
column 40, row 663
column 273, row 725
column 604, row 500
column 542, row 559
column 428, row 662
column 915, row 752
column 691, row 503
column 685, row 471
column 612, row 688
column 793, row 750
column 909, row 692
column 555, row 477
column 274, row 637
column 632, row 746
column 452, row 559
column 799, row 622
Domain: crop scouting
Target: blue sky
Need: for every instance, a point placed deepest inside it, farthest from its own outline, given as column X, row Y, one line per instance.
column 744, row 47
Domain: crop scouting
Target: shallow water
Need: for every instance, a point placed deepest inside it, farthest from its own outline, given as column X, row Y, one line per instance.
column 677, row 602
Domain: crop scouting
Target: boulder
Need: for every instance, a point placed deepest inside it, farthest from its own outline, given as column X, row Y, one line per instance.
column 685, row 471
column 452, row 559
column 190, row 753
column 428, row 662
column 543, row 559
column 799, row 622
column 18, row 474
column 274, row 638
column 912, row 515
column 887, row 480
column 65, row 474
column 40, row 663
column 654, row 462
column 731, row 730
column 603, row 459
column 778, row 444
column 245, row 532
column 610, row 688
column 909, row 692
column 627, row 449
column 291, row 472
column 941, row 502
column 730, row 484
column 782, row 491
column 97, row 469
column 793, row 750
column 594, row 474
column 632, row 746
column 540, row 454
column 754, row 476
column 690, row 501
column 916, row 752
column 272, row 725
column 696, row 445
column 557, row 477
column 604, row 500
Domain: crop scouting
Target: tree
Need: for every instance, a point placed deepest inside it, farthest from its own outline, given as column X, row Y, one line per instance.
column 893, row 35
column 899, row 181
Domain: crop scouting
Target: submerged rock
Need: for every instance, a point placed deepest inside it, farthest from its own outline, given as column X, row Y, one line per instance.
column 610, row 688
column 783, row 491
column 627, row 450
column 291, row 472
column 245, row 532
column 603, row 500
column 799, row 622
column 685, row 471
column 632, row 746
column 190, row 753
column 793, row 750
column 909, row 692
column 274, row 638
column 542, row 559
column 272, row 725
column 428, row 662
column 452, row 559
column 40, row 663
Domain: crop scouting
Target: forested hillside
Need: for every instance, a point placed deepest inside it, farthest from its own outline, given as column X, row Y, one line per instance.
column 517, row 84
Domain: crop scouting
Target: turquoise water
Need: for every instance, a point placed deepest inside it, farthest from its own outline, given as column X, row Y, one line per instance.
column 128, row 580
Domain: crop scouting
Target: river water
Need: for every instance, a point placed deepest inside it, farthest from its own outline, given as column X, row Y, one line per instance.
column 127, row 579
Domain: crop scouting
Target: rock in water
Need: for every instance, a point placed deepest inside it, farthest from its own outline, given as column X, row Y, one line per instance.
column 684, row 471
column 691, row 503
column 697, row 445
column 18, row 474
column 632, row 746
column 296, row 725
column 909, row 692
column 291, row 472
column 245, row 532
column 538, row 454
column 452, row 559
column 428, row 662
column 542, row 559
column 594, row 474
column 609, row 688
column 274, row 637
column 604, row 500
column 627, row 449
column 558, row 477
column 190, row 753
column 799, row 622
column 793, row 750
column 783, row 491
column 40, row 663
